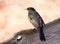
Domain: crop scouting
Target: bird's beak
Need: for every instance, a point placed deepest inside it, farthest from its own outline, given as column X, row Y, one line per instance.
column 25, row 9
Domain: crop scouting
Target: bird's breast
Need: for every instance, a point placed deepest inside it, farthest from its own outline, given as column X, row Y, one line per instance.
column 34, row 23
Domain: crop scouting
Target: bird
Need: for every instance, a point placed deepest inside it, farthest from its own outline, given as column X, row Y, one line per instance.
column 37, row 21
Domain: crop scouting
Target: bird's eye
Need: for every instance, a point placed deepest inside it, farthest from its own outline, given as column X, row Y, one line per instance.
column 31, row 18
column 19, row 38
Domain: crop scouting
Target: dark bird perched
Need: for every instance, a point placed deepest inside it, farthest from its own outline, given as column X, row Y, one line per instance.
column 37, row 22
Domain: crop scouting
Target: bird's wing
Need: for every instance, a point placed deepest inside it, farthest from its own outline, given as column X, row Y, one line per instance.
column 41, row 22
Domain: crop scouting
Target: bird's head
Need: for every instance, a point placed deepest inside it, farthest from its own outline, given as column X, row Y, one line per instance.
column 30, row 8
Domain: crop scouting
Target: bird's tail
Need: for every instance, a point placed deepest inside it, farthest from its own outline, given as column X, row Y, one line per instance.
column 41, row 34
